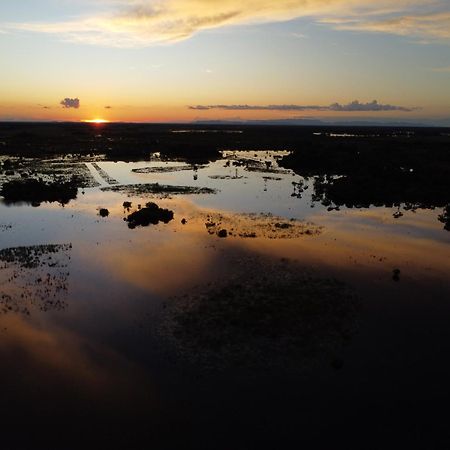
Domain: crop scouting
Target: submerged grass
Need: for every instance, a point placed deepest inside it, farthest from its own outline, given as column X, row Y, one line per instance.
column 270, row 315
column 258, row 226
column 34, row 277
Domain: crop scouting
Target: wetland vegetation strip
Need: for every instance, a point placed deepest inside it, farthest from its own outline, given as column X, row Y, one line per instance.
column 110, row 180
column 167, row 169
column 258, row 225
column 36, row 192
column 63, row 170
column 158, row 189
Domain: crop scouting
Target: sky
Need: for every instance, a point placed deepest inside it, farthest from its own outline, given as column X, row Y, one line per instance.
column 187, row 60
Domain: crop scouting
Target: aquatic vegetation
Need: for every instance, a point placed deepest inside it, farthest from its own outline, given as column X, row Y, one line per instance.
column 396, row 274
column 399, row 170
column 270, row 315
column 103, row 212
column 263, row 169
column 299, row 187
column 262, row 162
column 105, row 175
column 34, row 276
column 258, row 225
column 226, row 177
column 151, row 214
column 33, row 257
column 167, row 169
column 222, row 233
column 62, row 169
column 158, row 189
column 445, row 218
column 272, row 178
column 36, row 192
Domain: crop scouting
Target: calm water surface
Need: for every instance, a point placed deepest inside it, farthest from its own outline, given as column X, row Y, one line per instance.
column 89, row 361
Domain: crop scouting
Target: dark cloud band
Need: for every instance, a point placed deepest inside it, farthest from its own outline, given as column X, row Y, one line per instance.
column 354, row 106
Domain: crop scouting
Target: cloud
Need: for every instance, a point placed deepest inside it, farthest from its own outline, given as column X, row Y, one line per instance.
column 70, row 103
column 441, row 69
column 299, row 35
column 135, row 23
column 206, row 108
column 354, row 106
column 371, row 106
column 427, row 26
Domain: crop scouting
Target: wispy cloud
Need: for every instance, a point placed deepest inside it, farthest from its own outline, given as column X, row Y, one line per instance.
column 354, row 106
column 431, row 25
column 134, row 23
column 441, row 69
column 299, row 35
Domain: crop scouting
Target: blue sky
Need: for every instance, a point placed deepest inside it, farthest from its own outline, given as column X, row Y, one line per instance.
column 151, row 60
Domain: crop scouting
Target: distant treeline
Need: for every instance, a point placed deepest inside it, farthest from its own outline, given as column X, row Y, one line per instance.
column 202, row 142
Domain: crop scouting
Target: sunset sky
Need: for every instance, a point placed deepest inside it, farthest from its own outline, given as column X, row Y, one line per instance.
column 183, row 60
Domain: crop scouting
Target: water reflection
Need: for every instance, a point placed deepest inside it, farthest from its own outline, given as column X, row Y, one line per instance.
column 104, row 346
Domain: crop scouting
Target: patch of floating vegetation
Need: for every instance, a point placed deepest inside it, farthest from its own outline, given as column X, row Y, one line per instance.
column 226, row 177
column 36, row 192
column 299, row 187
column 445, row 218
column 261, row 161
column 103, row 212
column 268, row 315
column 34, row 276
column 63, row 169
column 33, row 256
column 152, row 214
column 262, row 169
column 272, row 179
column 167, row 169
column 258, row 225
column 157, row 189
column 262, row 166
column 105, row 175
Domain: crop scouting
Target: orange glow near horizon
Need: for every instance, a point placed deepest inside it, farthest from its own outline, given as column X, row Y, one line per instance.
column 95, row 121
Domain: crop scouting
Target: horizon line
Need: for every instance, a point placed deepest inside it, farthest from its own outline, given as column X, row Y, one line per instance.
column 251, row 122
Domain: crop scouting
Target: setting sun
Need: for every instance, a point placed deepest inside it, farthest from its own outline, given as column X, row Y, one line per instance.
column 97, row 121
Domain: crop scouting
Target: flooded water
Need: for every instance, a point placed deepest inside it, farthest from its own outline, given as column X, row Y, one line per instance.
column 85, row 300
